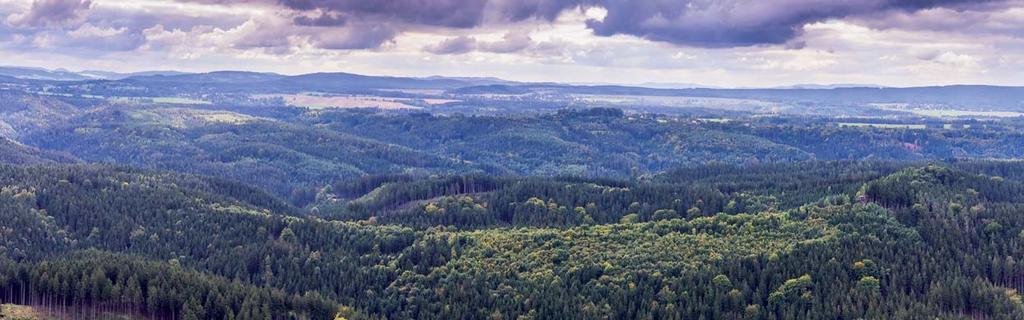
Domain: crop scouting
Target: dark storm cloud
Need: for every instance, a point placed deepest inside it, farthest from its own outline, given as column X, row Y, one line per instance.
column 45, row 13
column 91, row 28
column 355, row 37
column 321, row 20
column 510, row 43
column 444, row 13
column 733, row 23
column 993, row 18
column 700, row 23
column 362, row 22
column 367, row 24
column 457, row 45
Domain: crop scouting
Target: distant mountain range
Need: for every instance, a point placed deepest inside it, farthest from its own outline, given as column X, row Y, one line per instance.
column 968, row 97
column 829, row 86
column 42, row 74
column 31, row 73
column 172, row 83
column 321, row 82
column 434, row 82
column 309, row 81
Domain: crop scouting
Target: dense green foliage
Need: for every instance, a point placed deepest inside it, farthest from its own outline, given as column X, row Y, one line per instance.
column 474, row 201
column 259, row 211
column 942, row 241
column 90, row 283
column 13, row 153
column 295, row 152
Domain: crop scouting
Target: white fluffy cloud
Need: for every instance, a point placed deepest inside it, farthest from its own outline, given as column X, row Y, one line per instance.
column 887, row 43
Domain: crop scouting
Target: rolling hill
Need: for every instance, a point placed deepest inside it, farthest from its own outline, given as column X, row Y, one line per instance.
column 202, row 247
column 12, row 152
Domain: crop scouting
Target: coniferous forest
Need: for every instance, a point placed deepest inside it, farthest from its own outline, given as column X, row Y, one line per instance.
column 512, row 159
column 247, row 208
column 170, row 226
column 807, row 240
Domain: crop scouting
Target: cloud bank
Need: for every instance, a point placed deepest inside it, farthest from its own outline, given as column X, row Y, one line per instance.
column 360, row 24
column 724, row 35
column 697, row 23
column 48, row 13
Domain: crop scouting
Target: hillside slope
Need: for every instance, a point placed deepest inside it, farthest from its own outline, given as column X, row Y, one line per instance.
column 12, row 152
column 952, row 234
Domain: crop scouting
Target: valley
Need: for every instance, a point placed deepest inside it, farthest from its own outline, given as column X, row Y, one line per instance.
column 511, row 160
column 411, row 198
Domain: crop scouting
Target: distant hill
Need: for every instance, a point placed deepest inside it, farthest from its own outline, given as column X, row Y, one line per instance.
column 22, row 112
column 14, row 153
column 341, row 81
column 210, row 77
column 492, row 89
column 311, row 82
column 41, row 74
column 96, row 74
column 170, row 83
column 973, row 96
column 10, row 79
column 828, row 86
column 30, row 73
column 673, row 85
column 479, row 81
column 220, row 82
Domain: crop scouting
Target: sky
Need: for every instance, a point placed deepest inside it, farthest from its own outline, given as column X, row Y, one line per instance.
column 726, row 43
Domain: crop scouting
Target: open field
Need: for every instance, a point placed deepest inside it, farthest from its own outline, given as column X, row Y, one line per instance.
column 352, row 101
column 22, row 312
column 940, row 112
column 182, row 118
column 882, row 125
column 681, row 102
column 18, row 312
column 143, row 100
column 965, row 113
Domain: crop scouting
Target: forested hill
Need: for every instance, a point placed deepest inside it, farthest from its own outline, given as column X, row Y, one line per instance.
column 12, row 152
column 293, row 153
column 157, row 84
column 176, row 207
column 881, row 241
column 146, row 226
